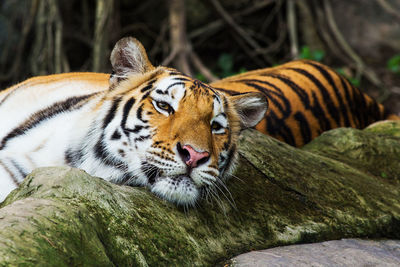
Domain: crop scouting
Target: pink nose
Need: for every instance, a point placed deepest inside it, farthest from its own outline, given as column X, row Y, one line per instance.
column 192, row 157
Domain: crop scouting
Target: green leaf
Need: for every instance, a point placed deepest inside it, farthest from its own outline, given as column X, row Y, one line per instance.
column 201, row 77
column 393, row 64
column 305, row 52
column 318, row 55
column 225, row 62
column 242, row 70
column 354, row 81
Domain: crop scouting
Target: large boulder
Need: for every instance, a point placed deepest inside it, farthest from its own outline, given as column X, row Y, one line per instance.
column 344, row 184
column 345, row 252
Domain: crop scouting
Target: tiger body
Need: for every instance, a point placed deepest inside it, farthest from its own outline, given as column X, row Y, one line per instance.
column 143, row 125
column 305, row 99
column 29, row 136
column 158, row 128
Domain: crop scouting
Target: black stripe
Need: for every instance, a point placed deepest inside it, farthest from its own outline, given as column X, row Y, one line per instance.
column 73, row 158
column 316, row 108
column 10, row 93
column 139, row 114
column 342, row 106
column 20, row 170
column 172, row 72
column 13, row 178
column 350, row 102
column 229, row 92
column 148, row 86
column 145, row 96
column 319, row 114
column 137, row 128
column 297, row 89
column 367, row 113
column 127, row 107
column 111, row 112
column 276, row 126
column 386, row 113
column 181, row 78
column 161, row 92
column 328, row 102
column 287, row 109
column 304, row 126
column 71, row 104
column 361, row 107
column 228, row 161
column 126, row 179
column 174, row 84
column 142, row 138
column 151, row 171
column 107, row 158
column 116, row 135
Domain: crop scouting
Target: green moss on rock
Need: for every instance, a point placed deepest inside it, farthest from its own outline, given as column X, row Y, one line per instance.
column 282, row 195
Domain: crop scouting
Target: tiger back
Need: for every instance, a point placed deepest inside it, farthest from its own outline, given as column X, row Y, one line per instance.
column 305, row 99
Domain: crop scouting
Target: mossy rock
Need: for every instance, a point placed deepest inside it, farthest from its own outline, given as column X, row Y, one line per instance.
column 280, row 195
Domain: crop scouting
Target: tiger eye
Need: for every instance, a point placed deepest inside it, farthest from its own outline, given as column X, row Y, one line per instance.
column 164, row 106
column 215, row 126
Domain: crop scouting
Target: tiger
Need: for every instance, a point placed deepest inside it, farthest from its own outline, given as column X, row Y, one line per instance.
column 306, row 98
column 140, row 126
column 159, row 128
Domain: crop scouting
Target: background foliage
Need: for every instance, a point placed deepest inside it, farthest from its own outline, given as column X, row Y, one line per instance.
column 207, row 39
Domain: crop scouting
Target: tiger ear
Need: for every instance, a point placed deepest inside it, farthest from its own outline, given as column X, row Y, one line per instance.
column 251, row 108
column 128, row 57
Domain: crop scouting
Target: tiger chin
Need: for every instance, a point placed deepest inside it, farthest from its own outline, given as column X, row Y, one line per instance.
column 142, row 125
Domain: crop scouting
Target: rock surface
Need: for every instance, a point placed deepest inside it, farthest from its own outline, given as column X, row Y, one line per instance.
column 281, row 195
column 345, row 252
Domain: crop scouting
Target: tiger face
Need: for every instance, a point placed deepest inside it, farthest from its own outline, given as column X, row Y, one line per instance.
column 175, row 135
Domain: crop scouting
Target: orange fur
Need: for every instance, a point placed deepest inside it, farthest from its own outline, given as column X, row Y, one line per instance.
column 296, row 90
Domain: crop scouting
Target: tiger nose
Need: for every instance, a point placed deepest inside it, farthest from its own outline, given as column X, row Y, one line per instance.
column 191, row 157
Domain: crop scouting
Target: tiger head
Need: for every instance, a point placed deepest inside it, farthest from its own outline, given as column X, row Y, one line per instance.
column 176, row 135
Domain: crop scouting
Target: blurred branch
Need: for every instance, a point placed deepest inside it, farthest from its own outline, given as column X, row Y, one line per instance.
column 201, row 68
column 217, row 24
column 178, row 39
column 389, row 9
column 104, row 11
column 322, row 27
column 160, row 39
column 27, row 26
column 181, row 49
column 360, row 65
column 278, row 43
column 56, row 58
column 271, row 15
column 137, row 27
column 239, row 30
column 292, row 27
column 307, row 25
column 47, row 53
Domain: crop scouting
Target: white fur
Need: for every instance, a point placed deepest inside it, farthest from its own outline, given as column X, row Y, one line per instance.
column 81, row 130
